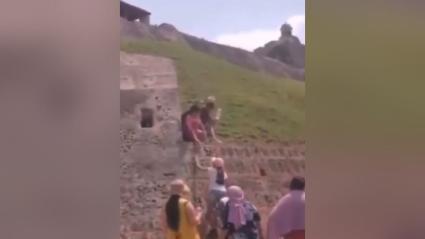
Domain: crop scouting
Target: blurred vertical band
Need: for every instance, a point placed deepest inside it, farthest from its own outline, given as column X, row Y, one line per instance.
column 366, row 119
column 59, row 101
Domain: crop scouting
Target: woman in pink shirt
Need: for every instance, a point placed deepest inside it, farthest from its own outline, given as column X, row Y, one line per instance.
column 195, row 127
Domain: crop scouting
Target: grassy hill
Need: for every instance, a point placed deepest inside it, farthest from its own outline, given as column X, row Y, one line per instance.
column 255, row 105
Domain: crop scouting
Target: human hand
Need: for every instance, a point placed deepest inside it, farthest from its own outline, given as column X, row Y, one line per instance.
column 199, row 211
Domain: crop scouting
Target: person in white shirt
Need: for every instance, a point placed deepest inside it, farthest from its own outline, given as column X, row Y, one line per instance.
column 210, row 115
column 216, row 189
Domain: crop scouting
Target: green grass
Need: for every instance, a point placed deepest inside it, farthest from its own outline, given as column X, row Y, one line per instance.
column 255, row 105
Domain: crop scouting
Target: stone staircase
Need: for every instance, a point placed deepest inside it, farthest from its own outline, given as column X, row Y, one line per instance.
column 263, row 171
column 150, row 158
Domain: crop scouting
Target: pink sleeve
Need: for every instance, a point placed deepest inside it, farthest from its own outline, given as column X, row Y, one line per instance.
column 189, row 124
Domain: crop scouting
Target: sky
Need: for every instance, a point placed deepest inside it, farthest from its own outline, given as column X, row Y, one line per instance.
column 247, row 24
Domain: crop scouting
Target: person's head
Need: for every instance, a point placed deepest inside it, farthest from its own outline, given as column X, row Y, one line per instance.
column 177, row 187
column 297, row 184
column 210, row 99
column 218, row 165
column 210, row 102
column 186, row 192
column 217, row 162
column 235, row 193
column 195, row 109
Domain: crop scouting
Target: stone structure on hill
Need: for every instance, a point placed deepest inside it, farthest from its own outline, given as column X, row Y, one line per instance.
column 132, row 13
column 167, row 32
column 237, row 56
column 134, row 30
column 287, row 49
column 285, row 31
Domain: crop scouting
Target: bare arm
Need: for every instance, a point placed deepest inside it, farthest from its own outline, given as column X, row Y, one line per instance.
column 193, row 132
column 195, row 136
column 204, row 132
column 203, row 127
column 192, row 129
column 214, row 136
column 227, row 182
column 217, row 115
column 193, row 215
column 198, row 164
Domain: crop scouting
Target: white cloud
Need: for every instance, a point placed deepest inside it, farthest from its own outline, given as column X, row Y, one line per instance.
column 249, row 40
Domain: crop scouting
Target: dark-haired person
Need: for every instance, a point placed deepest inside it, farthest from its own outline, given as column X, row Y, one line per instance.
column 179, row 217
column 287, row 218
column 195, row 128
column 186, row 134
column 216, row 189
column 210, row 115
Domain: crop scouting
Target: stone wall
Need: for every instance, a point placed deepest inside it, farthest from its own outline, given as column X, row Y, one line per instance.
column 133, row 13
column 150, row 157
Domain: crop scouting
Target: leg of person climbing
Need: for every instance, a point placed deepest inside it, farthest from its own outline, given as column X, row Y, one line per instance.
column 213, row 212
column 208, row 214
column 199, row 143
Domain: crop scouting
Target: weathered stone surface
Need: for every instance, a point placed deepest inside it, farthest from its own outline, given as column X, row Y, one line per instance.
column 150, row 157
column 167, row 32
column 264, row 173
column 133, row 13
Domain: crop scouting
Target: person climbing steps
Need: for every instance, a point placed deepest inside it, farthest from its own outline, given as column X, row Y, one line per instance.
column 193, row 129
column 179, row 217
column 210, row 115
column 216, row 189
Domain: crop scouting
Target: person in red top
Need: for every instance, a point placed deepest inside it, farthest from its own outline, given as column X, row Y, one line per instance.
column 195, row 127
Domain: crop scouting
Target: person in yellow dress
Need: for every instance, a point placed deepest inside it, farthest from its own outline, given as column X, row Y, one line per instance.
column 179, row 217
